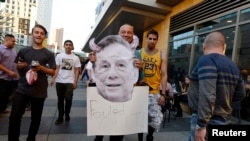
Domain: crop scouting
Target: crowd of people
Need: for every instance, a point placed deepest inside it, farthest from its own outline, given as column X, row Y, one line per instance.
column 215, row 82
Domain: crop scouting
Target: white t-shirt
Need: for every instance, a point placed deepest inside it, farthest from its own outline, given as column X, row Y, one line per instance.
column 89, row 67
column 67, row 63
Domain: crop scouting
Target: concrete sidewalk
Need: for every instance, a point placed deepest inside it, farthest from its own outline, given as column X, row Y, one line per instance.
column 76, row 129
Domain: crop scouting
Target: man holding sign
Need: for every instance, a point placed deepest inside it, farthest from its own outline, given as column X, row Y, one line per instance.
column 116, row 74
column 114, row 69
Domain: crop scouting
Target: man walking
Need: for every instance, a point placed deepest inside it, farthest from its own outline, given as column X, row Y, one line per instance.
column 154, row 74
column 126, row 31
column 66, row 76
column 8, row 71
column 32, row 64
column 215, row 83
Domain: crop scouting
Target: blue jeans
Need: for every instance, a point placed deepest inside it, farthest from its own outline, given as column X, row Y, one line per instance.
column 193, row 122
column 215, row 120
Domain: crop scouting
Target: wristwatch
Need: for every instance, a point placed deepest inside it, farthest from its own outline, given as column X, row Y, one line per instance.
column 198, row 127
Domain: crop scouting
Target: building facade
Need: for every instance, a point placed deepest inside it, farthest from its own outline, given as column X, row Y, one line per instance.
column 188, row 30
column 182, row 26
column 56, row 40
column 22, row 15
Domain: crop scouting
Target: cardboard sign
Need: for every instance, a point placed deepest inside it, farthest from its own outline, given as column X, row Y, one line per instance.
column 117, row 118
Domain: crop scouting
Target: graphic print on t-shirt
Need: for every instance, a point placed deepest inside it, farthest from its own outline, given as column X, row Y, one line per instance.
column 67, row 64
column 149, row 68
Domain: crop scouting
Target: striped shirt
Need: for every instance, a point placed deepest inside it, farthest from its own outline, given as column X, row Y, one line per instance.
column 215, row 83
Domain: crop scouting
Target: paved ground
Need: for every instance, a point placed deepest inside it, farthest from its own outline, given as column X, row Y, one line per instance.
column 75, row 129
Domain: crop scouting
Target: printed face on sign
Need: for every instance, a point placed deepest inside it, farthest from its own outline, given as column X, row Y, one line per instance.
column 115, row 72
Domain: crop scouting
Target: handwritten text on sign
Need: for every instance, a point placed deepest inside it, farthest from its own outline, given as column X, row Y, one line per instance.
column 117, row 118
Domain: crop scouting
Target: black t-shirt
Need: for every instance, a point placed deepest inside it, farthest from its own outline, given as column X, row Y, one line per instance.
column 45, row 58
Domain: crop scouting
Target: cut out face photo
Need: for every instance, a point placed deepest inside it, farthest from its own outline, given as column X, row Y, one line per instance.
column 114, row 69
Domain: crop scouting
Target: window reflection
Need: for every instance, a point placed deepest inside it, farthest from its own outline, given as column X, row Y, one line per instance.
column 179, row 53
column 229, row 37
column 182, row 34
column 198, row 47
column 180, row 44
column 244, row 46
column 245, row 14
column 216, row 23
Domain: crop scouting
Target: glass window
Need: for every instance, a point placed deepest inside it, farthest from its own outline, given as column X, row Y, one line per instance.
column 182, row 34
column 180, row 42
column 245, row 14
column 179, row 55
column 198, row 51
column 229, row 37
column 216, row 23
column 229, row 34
column 244, row 46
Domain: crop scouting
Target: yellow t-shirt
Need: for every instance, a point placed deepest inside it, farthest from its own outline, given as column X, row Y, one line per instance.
column 152, row 70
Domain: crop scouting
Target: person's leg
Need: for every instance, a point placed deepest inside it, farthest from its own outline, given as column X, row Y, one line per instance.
column 36, row 114
column 193, row 121
column 68, row 99
column 14, row 84
column 17, row 111
column 60, row 91
column 5, row 91
column 98, row 138
column 155, row 115
column 150, row 136
column 177, row 101
column 140, row 136
column 86, row 74
column 116, row 138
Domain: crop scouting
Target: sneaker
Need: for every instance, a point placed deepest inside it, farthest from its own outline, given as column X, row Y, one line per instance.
column 59, row 121
column 67, row 117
